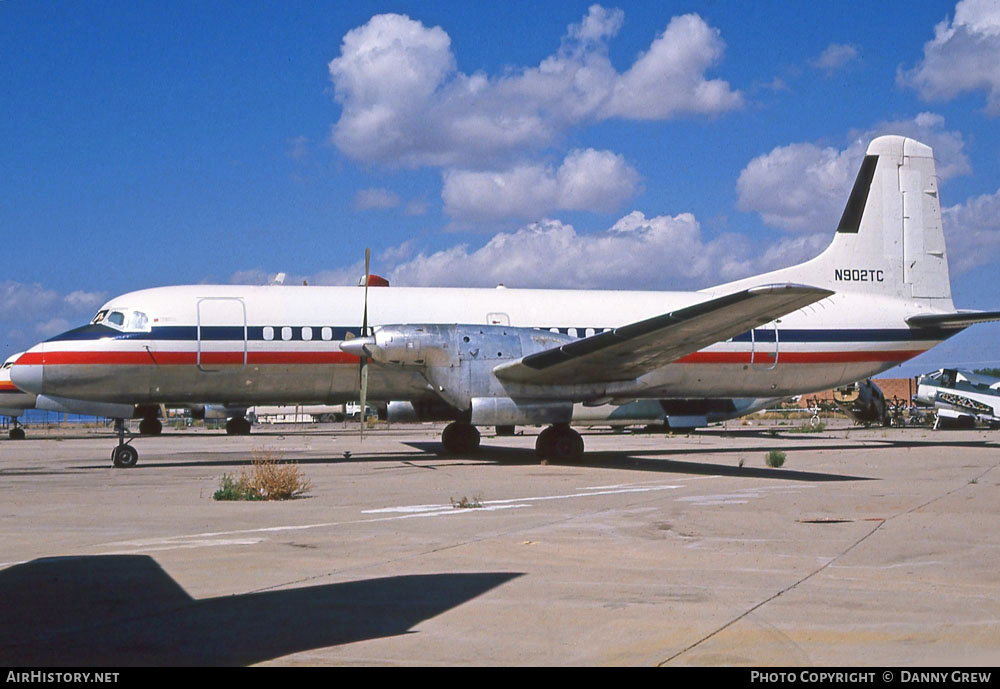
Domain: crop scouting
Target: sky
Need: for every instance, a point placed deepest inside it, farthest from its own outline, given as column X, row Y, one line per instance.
column 632, row 145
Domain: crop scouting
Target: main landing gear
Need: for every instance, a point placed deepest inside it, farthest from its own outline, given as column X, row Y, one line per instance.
column 558, row 443
column 238, row 425
column 460, row 438
column 123, row 456
column 150, row 426
column 16, row 432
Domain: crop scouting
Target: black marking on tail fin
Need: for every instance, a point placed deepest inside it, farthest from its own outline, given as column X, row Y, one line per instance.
column 850, row 221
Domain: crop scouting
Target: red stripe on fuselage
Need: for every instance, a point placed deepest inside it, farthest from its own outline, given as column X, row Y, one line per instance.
column 182, row 358
column 237, row 358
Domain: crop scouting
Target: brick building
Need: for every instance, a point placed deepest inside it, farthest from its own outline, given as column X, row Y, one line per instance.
column 901, row 388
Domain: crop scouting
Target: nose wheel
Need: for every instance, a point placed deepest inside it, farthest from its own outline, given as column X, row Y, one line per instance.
column 123, row 456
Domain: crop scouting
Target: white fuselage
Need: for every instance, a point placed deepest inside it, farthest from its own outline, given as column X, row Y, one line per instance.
column 275, row 344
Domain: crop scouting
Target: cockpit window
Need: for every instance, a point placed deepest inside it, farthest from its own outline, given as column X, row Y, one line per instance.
column 127, row 320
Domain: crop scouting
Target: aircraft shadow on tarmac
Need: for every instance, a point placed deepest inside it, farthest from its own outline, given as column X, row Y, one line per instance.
column 432, row 452
column 124, row 610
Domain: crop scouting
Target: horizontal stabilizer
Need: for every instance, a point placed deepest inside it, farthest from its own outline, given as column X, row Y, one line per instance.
column 960, row 319
column 628, row 352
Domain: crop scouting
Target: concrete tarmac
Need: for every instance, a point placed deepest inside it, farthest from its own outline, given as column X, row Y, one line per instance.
column 867, row 548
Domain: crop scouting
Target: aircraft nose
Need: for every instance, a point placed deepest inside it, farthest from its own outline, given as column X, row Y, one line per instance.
column 27, row 373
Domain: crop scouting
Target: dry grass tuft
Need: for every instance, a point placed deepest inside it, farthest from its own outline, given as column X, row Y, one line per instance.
column 269, row 479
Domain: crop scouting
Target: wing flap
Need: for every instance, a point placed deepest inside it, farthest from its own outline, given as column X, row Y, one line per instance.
column 627, row 352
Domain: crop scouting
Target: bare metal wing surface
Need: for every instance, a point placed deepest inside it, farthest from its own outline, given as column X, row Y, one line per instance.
column 628, row 352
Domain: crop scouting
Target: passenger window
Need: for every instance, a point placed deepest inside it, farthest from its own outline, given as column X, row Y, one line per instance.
column 286, row 333
column 307, row 333
column 268, row 333
column 327, row 333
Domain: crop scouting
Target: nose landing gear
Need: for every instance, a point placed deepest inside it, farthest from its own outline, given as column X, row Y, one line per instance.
column 123, row 456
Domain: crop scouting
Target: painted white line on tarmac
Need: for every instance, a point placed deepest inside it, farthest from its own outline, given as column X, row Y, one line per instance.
column 209, row 539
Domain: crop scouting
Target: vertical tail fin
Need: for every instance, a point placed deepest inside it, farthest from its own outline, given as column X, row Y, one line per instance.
column 890, row 239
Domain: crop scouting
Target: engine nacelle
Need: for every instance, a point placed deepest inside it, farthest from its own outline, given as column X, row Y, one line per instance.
column 214, row 411
column 458, row 360
column 419, row 411
column 504, row 411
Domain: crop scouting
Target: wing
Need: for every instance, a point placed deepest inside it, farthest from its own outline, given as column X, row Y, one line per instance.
column 627, row 352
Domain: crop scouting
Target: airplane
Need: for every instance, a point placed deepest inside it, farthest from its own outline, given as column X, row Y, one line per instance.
column 13, row 402
column 879, row 295
column 961, row 398
column 864, row 402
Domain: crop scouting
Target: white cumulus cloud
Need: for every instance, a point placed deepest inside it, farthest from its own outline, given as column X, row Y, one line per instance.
column 590, row 180
column 803, row 186
column 972, row 232
column 661, row 252
column 404, row 102
column 964, row 55
column 835, row 56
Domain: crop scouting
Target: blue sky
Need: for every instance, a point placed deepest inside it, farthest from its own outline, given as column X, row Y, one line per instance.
column 632, row 145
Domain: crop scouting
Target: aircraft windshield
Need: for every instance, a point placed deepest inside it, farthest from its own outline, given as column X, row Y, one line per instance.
column 126, row 320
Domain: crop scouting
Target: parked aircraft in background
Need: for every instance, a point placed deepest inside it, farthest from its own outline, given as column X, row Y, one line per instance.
column 878, row 295
column 864, row 402
column 13, row 402
column 961, row 398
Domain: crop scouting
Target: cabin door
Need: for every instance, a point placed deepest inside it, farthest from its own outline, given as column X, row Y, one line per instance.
column 222, row 334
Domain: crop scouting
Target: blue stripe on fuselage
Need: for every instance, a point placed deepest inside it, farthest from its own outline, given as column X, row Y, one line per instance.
column 254, row 333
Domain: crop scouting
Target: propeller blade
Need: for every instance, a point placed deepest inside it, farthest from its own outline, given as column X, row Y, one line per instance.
column 364, row 395
column 363, row 374
column 364, row 322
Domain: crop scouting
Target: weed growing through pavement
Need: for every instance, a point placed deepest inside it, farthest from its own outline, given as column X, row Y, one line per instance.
column 268, row 479
column 466, row 503
column 775, row 458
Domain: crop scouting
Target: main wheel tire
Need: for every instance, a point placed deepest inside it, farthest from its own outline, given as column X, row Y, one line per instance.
column 150, row 427
column 460, row 438
column 543, row 445
column 238, row 426
column 124, row 456
column 16, row 434
column 567, row 446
